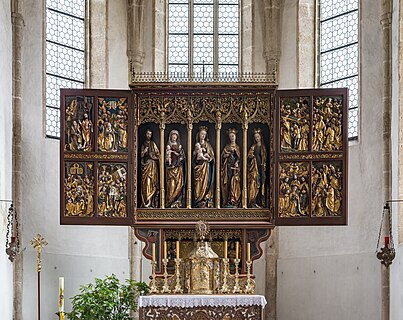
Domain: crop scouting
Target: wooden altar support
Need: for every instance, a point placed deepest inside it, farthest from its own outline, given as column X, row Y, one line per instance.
column 200, row 307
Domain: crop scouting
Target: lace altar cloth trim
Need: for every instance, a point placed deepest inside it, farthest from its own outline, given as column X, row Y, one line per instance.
column 192, row 301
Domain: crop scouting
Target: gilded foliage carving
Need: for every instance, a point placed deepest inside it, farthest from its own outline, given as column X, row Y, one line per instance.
column 112, row 190
column 79, row 189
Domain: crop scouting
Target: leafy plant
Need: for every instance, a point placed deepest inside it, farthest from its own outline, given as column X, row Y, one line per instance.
column 107, row 299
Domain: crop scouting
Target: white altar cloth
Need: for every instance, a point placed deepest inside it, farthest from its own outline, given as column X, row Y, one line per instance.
column 192, row 301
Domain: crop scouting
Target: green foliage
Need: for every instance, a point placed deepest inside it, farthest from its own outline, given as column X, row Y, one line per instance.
column 107, row 299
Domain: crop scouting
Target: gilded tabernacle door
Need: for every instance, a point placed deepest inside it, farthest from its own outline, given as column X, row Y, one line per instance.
column 205, row 152
column 96, row 151
column 311, row 178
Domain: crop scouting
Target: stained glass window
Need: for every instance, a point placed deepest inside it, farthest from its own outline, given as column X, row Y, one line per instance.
column 203, row 36
column 65, row 60
column 339, row 52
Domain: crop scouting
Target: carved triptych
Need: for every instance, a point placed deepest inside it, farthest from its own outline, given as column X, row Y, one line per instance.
column 167, row 153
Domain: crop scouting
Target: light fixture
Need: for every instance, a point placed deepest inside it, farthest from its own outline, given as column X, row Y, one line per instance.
column 12, row 235
column 387, row 253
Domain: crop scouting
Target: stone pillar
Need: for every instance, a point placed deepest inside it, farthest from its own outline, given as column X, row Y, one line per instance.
column 97, row 44
column 17, row 37
column 386, row 22
column 160, row 35
column 271, row 274
column 246, row 37
column 272, row 47
column 135, row 34
column 306, row 44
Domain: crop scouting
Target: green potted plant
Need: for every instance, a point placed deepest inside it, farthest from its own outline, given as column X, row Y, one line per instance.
column 107, row 299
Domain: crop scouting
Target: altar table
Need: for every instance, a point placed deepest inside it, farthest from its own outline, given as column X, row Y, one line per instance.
column 202, row 307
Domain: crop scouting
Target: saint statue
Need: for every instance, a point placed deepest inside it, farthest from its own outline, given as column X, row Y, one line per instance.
column 149, row 172
column 257, row 158
column 86, row 129
column 175, row 175
column 203, row 170
column 231, row 172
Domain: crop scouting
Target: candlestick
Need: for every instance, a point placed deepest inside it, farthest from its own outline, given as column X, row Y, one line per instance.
column 177, row 249
column 224, row 287
column 237, row 250
column 250, row 283
column 178, row 288
column 61, row 294
column 165, row 249
column 248, row 251
column 225, row 249
column 153, row 251
column 236, row 289
column 153, row 284
column 165, row 287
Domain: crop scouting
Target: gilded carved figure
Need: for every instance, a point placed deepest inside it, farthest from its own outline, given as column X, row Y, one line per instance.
column 79, row 190
column 231, row 172
column 294, row 190
column 257, row 159
column 294, row 124
column 149, row 172
column 326, row 189
column 203, row 170
column 87, row 130
column 175, row 171
column 112, row 195
column 112, row 124
column 327, row 127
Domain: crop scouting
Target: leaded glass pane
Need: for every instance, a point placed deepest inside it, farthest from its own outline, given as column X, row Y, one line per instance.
column 228, row 49
column 203, row 19
column 178, row 19
column 339, row 52
column 203, row 49
column 178, row 49
column 331, row 8
column 65, row 43
column 228, row 19
column 208, row 69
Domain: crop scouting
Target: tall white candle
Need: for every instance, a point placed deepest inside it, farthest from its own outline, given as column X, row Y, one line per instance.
column 61, row 294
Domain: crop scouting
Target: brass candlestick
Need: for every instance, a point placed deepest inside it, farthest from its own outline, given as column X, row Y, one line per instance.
column 178, row 288
column 250, row 288
column 224, row 287
column 153, row 287
column 236, row 289
column 165, row 287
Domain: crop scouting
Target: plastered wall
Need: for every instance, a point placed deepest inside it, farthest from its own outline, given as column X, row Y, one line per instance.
column 332, row 272
column 78, row 253
column 6, row 271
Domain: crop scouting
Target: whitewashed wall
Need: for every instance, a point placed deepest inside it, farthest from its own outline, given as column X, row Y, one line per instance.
column 78, row 253
column 332, row 272
column 6, row 270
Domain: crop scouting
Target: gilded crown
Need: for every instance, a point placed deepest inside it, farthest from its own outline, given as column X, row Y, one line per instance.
column 257, row 130
column 232, row 130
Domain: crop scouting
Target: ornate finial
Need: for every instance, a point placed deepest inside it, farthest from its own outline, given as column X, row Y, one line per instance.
column 202, row 229
column 38, row 243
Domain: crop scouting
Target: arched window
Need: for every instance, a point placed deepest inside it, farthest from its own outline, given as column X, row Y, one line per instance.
column 203, row 35
column 339, row 52
column 65, row 58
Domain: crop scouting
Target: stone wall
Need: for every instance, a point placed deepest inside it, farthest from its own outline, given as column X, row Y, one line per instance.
column 6, row 274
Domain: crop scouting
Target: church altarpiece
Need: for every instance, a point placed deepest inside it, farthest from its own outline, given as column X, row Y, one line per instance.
column 244, row 157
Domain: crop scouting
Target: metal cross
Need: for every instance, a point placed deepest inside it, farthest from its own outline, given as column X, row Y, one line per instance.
column 38, row 243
